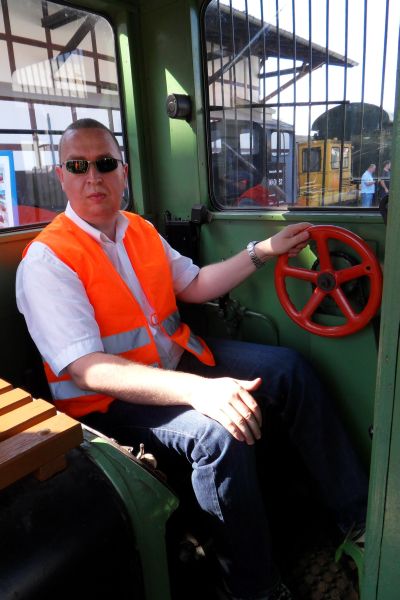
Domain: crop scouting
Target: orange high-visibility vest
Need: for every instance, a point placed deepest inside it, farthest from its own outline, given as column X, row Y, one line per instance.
column 122, row 323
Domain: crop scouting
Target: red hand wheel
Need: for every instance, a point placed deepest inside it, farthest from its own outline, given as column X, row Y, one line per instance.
column 328, row 282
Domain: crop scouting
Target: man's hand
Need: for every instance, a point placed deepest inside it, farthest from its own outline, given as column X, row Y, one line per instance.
column 291, row 240
column 230, row 402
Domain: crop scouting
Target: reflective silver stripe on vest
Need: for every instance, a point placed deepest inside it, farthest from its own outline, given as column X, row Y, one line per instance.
column 194, row 344
column 171, row 323
column 64, row 390
column 129, row 340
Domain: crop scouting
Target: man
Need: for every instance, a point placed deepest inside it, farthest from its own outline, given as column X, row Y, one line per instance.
column 98, row 290
column 384, row 181
column 384, row 187
column 368, row 186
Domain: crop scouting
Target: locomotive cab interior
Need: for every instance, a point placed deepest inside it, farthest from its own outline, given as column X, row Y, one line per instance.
column 236, row 119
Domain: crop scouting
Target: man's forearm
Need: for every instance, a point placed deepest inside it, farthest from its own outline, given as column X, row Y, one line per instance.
column 226, row 400
column 130, row 381
column 218, row 279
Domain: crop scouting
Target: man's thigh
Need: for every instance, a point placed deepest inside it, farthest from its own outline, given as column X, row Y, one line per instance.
column 234, row 358
column 246, row 360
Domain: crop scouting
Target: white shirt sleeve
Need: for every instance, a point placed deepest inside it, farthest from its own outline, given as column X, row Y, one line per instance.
column 56, row 308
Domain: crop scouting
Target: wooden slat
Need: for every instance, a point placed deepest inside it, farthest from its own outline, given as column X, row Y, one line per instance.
column 25, row 452
column 13, row 399
column 5, row 386
column 24, row 417
column 51, row 468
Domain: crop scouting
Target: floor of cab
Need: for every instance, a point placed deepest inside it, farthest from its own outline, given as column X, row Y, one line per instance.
column 305, row 557
column 304, row 538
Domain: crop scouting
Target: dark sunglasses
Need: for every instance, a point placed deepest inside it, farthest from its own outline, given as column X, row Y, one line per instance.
column 80, row 166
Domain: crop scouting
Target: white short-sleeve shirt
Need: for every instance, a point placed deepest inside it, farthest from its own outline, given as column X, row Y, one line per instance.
column 366, row 180
column 57, row 310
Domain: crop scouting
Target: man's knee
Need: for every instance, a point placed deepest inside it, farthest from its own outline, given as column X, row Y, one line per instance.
column 219, row 445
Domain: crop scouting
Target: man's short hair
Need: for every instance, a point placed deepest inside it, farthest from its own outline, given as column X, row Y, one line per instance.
column 86, row 124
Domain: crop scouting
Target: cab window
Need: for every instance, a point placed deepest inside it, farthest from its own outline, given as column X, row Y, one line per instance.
column 314, row 82
column 58, row 65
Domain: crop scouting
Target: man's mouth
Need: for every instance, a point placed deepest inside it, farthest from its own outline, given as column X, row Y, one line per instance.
column 97, row 196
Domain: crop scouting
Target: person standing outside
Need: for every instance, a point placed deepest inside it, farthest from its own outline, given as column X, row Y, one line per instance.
column 368, row 186
column 384, row 180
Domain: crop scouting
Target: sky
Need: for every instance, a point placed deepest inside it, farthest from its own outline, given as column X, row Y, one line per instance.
column 375, row 10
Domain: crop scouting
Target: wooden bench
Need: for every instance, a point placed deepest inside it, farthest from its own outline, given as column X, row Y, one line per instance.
column 34, row 437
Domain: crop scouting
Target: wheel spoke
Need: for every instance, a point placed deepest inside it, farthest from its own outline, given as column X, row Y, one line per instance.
column 299, row 273
column 350, row 273
column 313, row 303
column 323, row 254
column 343, row 304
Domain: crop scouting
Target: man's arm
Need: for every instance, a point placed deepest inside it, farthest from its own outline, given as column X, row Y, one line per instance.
column 383, row 184
column 368, row 181
column 218, row 279
column 227, row 400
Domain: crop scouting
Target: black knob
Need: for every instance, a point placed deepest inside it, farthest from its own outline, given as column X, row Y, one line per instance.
column 179, row 106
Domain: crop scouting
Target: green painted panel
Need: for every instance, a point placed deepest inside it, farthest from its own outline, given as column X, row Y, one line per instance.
column 149, row 504
column 389, row 576
column 167, row 54
column 382, row 572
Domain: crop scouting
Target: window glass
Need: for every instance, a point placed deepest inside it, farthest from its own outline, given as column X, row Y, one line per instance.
column 346, row 153
column 311, row 160
column 313, row 75
column 335, row 157
column 57, row 65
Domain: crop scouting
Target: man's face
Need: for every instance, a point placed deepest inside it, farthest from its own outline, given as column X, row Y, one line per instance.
column 94, row 196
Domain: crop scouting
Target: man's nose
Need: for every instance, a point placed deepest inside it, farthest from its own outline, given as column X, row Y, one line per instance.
column 92, row 172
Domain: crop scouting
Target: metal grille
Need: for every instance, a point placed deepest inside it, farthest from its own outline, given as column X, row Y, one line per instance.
column 300, row 101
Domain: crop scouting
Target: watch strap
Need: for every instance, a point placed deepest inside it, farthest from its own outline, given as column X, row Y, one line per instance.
column 257, row 262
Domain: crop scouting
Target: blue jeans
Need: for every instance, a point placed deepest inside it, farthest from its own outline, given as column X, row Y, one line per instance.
column 366, row 200
column 224, row 477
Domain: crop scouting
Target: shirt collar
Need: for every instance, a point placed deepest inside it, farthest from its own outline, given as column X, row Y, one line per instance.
column 122, row 224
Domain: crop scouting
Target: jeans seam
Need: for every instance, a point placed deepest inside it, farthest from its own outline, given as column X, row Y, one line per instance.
column 215, row 502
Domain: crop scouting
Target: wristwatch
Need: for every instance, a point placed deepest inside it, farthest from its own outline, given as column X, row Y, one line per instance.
column 257, row 262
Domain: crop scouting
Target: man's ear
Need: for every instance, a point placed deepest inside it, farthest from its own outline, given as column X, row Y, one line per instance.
column 60, row 175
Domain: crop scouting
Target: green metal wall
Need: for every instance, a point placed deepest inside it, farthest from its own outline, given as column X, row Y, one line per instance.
column 382, row 568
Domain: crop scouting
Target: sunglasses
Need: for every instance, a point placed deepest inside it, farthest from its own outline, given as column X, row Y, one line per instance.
column 80, row 166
